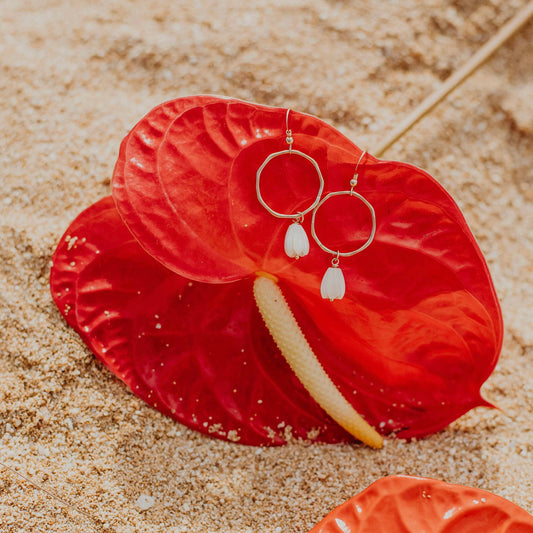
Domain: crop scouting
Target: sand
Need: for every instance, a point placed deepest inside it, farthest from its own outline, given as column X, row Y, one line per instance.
column 75, row 76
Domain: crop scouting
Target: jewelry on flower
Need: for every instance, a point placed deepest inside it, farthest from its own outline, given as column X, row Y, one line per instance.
column 333, row 285
column 296, row 240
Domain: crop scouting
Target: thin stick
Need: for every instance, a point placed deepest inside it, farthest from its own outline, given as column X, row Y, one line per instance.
column 507, row 31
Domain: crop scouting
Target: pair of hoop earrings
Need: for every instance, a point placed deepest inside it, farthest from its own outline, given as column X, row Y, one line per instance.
column 333, row 284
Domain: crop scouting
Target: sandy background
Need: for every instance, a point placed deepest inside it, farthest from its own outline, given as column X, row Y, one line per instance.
column 75, row 76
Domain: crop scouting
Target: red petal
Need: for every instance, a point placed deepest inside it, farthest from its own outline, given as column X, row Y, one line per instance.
column 401, row 504
column 197, row 352
column 420, row 325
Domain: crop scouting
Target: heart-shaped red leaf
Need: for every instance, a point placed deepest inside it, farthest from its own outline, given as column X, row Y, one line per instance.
column 402, row 504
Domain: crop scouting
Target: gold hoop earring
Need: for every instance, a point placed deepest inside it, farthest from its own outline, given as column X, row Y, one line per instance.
column 333, row 284
column 296, row 240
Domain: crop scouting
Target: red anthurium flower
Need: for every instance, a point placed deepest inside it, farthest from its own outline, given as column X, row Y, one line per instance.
column 403, row 504
column 160, row 287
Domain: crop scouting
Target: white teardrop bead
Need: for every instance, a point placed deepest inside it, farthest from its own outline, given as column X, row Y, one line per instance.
column 333, row 285
column 296, row 241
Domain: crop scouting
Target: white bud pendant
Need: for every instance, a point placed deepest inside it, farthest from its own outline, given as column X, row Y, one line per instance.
column 296, row 241
column 333, row 285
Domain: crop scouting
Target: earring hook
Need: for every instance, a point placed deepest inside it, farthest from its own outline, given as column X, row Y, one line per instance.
column 289, row 140
column 353, row 181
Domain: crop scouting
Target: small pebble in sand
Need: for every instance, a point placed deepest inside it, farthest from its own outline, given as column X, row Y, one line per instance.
column 144, row 502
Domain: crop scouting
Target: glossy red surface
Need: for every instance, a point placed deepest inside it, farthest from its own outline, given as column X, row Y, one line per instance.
column 416, row 335
column 401, row 504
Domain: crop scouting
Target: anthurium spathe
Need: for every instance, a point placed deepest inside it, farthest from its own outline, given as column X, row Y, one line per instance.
column 147, row 284
column 404, row 504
